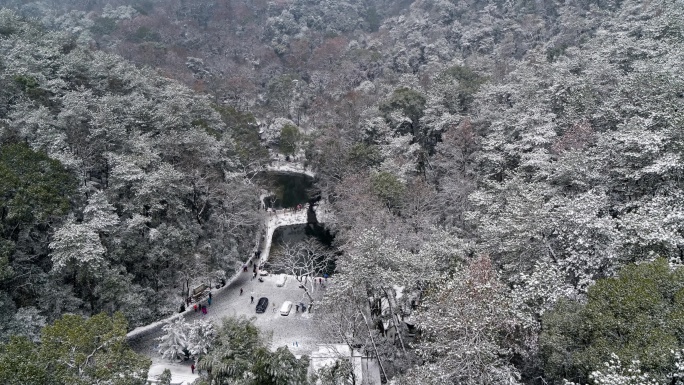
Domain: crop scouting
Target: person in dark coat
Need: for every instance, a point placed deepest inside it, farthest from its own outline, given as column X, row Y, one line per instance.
column 192, row 367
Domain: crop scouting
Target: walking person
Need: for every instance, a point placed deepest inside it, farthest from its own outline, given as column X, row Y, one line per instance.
column 251, row 299
column 192, row 367
column 209, row 295
column 240, row 291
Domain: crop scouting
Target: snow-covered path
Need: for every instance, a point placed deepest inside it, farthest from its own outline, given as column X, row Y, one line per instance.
column 277, row 219
column 288, row 218
column 289, row 168
column 297, row 331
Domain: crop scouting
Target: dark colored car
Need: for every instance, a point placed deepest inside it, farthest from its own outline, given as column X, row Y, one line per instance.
column 262, row 305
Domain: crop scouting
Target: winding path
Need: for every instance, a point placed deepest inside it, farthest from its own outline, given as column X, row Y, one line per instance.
column 297, row 330
column 289, row 217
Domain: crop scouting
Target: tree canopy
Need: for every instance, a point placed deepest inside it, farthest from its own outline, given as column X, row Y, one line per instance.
column 636, row 316
column 75, row 350
column 521, row 159
column 240, row 356
column 115, row 182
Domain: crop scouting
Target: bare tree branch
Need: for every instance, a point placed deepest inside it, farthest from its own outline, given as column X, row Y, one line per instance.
column 304, row 260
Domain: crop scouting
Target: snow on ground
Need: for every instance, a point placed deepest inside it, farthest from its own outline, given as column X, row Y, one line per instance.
column 180, row 372
column 277, row 219
column 297, row 331
column 279, row 164
column 289, row 168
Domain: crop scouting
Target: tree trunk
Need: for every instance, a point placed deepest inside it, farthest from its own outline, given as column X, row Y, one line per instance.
column 306, row 291
column 370, row 335
column 394, row 321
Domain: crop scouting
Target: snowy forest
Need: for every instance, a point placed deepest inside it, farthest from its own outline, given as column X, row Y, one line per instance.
column 502, row 179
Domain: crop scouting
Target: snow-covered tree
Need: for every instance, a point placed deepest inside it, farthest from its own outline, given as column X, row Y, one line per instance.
column 200, row 337
column 174, row 343
column 466, row 321
column 77, row 246
column 306, row 261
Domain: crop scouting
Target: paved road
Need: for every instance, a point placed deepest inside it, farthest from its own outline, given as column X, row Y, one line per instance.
column 297, row 331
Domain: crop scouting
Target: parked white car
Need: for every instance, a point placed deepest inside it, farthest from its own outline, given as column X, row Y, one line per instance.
column 286, row 308
column 281, row 280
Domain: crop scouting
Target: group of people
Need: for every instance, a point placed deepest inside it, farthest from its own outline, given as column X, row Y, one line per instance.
column 320, row 281
column 255, row 269
column 198, row 306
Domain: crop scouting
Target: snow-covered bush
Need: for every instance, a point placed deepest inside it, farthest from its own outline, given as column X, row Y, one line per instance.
column 183, row 338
